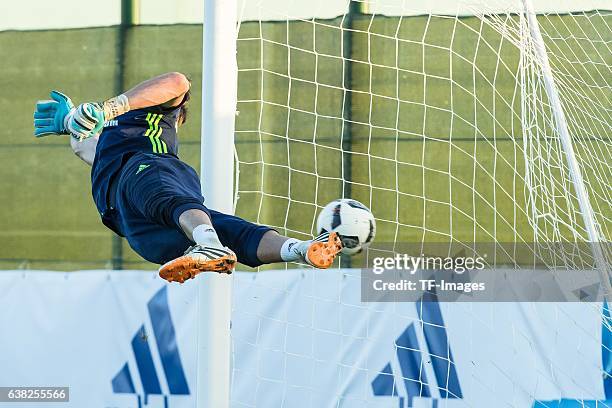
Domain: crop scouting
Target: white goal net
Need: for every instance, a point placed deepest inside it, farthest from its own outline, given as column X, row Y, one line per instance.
column 443, row 123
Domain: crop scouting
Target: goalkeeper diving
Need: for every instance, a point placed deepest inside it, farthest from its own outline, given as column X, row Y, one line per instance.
column 145, row 193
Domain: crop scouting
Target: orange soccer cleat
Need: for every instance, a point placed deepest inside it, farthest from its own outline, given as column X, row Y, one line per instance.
column 321, row 251
column 198, row 259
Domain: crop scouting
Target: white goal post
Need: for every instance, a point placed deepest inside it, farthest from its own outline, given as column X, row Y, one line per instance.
column 219, row 83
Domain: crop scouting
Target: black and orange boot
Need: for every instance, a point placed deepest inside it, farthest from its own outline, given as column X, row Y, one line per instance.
column 198, row 259
column 321, row 251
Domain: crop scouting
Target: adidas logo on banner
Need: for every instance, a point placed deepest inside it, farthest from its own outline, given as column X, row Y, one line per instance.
column 416, row 384
column 167, row 350
column 412, row 361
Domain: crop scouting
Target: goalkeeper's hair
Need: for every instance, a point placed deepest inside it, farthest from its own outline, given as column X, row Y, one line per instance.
column 184, row 108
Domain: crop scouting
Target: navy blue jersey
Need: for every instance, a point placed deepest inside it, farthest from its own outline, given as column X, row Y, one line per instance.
column 149, row 130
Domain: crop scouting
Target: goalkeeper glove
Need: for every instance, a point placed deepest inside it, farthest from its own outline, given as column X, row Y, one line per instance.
column 49, row 117
column 88, row 118
column 59, row 116
column 85, row 121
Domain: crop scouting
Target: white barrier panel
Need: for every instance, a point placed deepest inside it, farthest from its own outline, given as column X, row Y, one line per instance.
column 110, row 337
column 35, row 14
column 301, row 339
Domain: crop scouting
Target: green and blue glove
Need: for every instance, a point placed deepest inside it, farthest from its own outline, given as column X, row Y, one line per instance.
column 59, row 116
column 49, row 117
column 86, row 120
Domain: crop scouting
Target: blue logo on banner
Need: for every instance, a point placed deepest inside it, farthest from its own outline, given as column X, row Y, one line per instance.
column 167, row 348
column 411, row 360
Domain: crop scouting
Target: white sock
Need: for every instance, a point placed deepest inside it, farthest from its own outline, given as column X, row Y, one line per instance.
column 206, row 235
column 288, row 252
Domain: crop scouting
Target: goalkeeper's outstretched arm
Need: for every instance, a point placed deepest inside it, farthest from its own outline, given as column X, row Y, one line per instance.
column 59, row 116
column 167, row 89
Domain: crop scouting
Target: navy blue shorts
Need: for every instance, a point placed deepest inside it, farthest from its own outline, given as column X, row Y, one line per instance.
column 152, row 192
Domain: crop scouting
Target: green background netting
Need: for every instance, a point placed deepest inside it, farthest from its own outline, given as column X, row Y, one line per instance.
column 431, row 162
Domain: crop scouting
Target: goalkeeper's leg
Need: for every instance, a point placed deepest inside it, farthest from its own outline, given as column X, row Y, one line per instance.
column 256, row 244
column 152, row 195
column 253, row 245
column 319, row 252
column 209, row 254
column 161, row 213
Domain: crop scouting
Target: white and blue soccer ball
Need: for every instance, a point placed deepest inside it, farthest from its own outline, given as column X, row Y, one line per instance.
column 353, row 221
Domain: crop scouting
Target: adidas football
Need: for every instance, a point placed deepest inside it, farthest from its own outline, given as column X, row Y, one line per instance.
column 353, row 221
